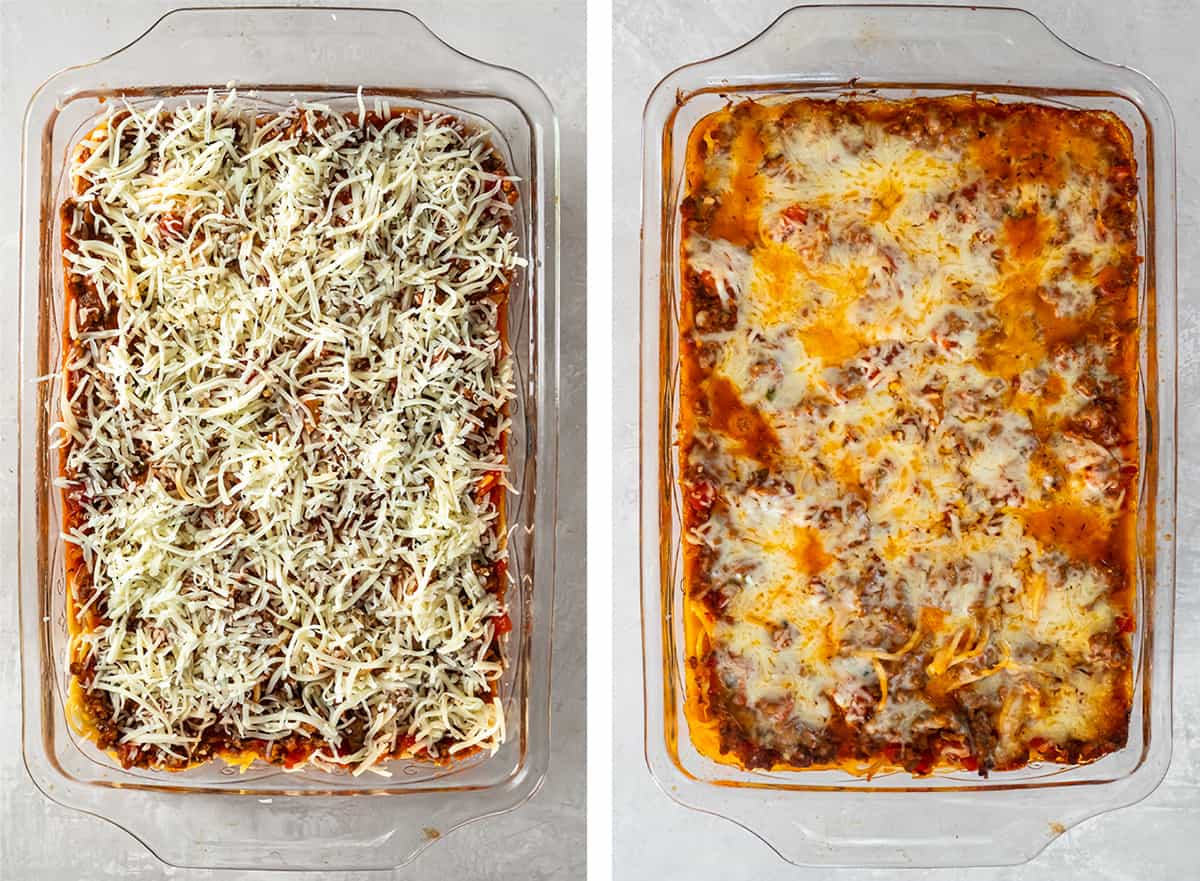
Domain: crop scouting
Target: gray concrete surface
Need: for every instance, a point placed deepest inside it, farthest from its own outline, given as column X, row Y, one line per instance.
column 40, row 841
column 656, row 839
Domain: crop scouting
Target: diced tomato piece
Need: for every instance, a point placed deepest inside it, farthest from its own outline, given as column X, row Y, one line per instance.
column 701, row 495
column 294, row 755
column 127, row 753
column 503, row 624
column 487, row 484
column 796, row 213
column 171, row 226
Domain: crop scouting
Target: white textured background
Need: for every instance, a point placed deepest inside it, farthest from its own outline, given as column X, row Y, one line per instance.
column 544, row 839
column 654, row 837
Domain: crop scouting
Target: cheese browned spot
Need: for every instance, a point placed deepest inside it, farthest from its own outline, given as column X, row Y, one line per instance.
column 285, row 404
column 908, row 387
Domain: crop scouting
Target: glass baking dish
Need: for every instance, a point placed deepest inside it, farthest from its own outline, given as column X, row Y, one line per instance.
column 832, row 817
column 214, row 816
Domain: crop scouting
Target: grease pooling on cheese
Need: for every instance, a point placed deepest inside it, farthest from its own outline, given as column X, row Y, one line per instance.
column 913, row 539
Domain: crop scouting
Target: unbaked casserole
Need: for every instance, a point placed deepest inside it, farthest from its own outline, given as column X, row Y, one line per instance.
column 286, row 388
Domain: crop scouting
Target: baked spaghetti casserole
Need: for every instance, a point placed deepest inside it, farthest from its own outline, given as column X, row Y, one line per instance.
column 908, row 437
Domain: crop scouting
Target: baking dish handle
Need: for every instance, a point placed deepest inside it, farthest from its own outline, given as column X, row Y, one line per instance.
column 926, row 46
column 324, row 47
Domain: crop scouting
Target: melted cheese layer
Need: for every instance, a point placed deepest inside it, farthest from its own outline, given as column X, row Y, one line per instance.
column 917, row 536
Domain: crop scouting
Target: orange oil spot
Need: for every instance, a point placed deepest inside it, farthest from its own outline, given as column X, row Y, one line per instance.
column 737, row 215
column 1025, row 235
column 785, row 285
column 887, row 197
column 847, row 472
column 808, row 552
column 1030, row 326
column 1037, row 145
column 832, row 342
column 1084, row 535
column 738, row 421
column 1054, row 388
column 1080, row 265
column 931, row 619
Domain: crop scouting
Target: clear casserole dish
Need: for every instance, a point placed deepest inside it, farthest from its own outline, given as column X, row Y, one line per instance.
column 213, row 815
column 830, row 817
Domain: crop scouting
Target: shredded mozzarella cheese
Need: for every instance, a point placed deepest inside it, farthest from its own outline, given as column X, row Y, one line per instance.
column 287, row 394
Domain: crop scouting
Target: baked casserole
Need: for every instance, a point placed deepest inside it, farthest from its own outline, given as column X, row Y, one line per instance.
column 908, row 437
